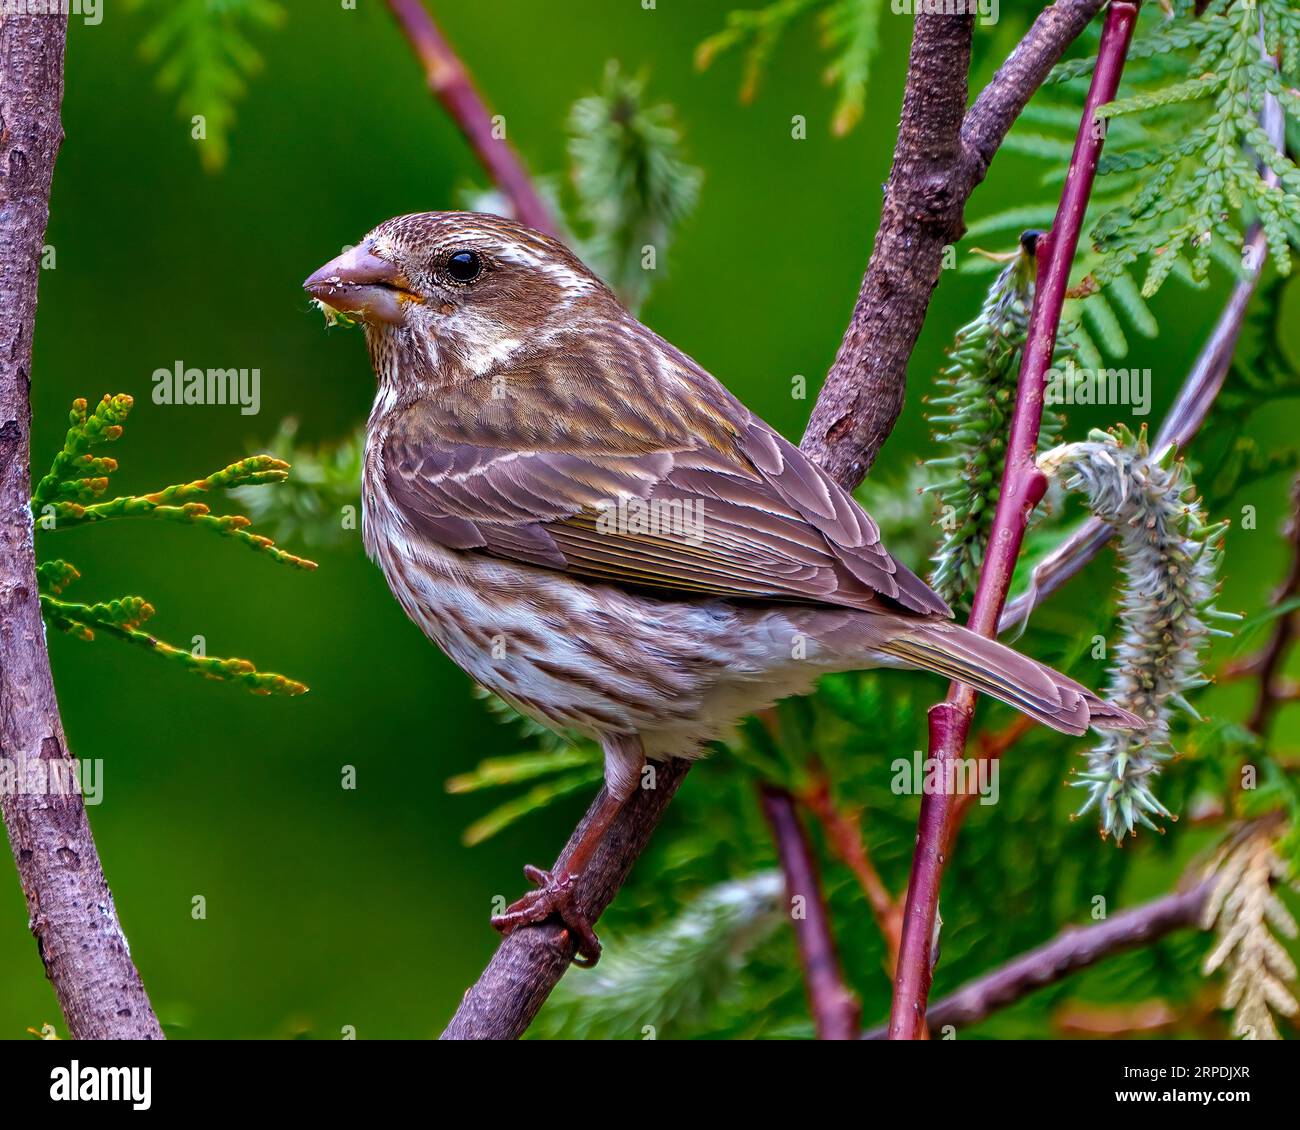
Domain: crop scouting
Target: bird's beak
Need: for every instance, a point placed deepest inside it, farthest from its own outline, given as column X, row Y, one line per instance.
column 361, row 284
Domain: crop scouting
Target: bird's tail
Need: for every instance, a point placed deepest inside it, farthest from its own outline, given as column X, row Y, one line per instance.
column 994, row 669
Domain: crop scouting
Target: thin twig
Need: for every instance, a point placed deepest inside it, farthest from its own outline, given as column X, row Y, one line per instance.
column 452, row 86
column 1022, row 487
column 835, row 1010
column 71, row 908
column 845, row 838
column 1074, row 949
column 1272, row 691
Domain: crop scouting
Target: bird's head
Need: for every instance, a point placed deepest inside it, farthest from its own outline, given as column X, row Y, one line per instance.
column 469, row 287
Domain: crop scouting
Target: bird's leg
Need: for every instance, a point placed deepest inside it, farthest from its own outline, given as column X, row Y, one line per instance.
column 556, row 892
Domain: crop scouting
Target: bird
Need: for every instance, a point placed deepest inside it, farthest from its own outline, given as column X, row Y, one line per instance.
column 597, row 531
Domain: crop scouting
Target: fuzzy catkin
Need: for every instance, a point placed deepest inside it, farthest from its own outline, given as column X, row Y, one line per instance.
column 1169, row 556
column 974, row 414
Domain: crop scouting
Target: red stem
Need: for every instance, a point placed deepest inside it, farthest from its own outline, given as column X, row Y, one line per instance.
column 834, row 1010
column 1022, row 488
column 452, row 86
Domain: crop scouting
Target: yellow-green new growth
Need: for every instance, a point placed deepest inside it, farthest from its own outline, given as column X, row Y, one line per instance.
column 67, row 496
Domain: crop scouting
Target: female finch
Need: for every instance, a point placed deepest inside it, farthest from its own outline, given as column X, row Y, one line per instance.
column 596, row 530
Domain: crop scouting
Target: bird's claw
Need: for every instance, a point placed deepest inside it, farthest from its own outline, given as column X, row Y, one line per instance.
column 555, row 896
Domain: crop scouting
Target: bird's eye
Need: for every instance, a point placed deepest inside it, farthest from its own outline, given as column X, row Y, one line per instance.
column 464, row 266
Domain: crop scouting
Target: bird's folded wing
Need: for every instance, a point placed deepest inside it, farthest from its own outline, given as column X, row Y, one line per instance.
column 749, row 518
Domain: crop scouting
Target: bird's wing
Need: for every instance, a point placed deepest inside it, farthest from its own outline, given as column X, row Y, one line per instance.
column 713, row 500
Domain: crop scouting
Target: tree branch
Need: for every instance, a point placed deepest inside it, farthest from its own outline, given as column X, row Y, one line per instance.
column 1022, row 487
column 845, row 838
column 451, row 85
column 1074, row 949
column 1269, row 662
column 835, row 1011
column 924, row 199
column 71, row 908
column 941, row 155
column 530, row 961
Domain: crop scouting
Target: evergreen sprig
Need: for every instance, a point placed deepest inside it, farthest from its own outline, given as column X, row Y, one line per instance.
column 1251, row 922
column 1169, row 554
column 1192, row 177
column 633, row 186
column 1201, row 178
column 972, row 416
column 205, row 55
column 66, row 496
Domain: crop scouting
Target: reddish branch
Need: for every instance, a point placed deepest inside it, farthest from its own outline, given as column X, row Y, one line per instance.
column 1022, row 488
column 451, row 85
column 941, row 155
column 835, row 1011
column 1074, row 949
column 845, row 838
column 1268, row 664
column 70, row 906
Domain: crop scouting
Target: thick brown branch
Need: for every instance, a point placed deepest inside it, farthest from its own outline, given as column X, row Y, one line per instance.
column 924, row 199
column 835, row 1011
column 452, row 86
column 941, row 155
column 1021, row 489
column 1074, row 949
column 71, row 909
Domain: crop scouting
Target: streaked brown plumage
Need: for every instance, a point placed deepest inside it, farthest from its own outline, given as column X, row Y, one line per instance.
column 518, row 402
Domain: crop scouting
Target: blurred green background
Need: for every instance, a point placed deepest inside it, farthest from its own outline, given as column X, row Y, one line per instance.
column 328, row 907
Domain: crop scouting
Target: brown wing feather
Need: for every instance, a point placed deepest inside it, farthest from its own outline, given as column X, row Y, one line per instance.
column 774, row 524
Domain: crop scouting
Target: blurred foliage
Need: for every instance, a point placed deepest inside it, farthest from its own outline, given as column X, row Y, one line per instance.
column 850, row 33
column 1249, row 919
column 67, row 496
column 675, row 978
column 204, row 53
column 633, row 187
column 321, row 504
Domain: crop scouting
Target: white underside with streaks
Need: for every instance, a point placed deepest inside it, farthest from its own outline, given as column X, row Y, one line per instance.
column 676, row 674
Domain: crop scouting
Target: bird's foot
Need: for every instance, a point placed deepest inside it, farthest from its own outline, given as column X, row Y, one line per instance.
column 555, row 896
